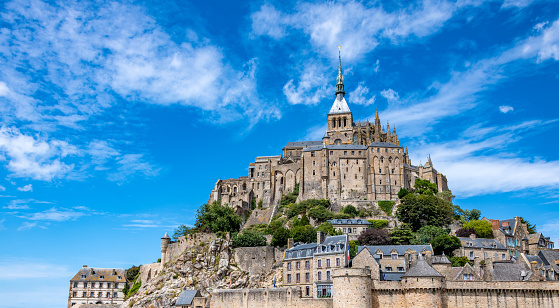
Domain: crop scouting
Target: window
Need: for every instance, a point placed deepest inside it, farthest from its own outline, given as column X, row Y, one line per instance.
column 319, row 277
column 354, row 230
column 101, row 277
column 75, row 284
column 100, row 285
column 324, row 291
column 471, row 254
column 380, row 182
column 289, row 266
column 319, row 263
column 379, row 170
column 108, row 294
column 394, row 256
column 327, row 275
column 289, row 278
column 352, row 152
column 400, row 269
column 313, row 173
column 92, row 294
column 313, row 163
column 307, row 292
column 74, row 294
column 109, row 285
column 312, row 154
column 307, row 277
column 298, row 265
column 331, row 152
column 379, row 255
column 337, row 261
column 348, row 230
column 468, row 277
column 307, row 265
column 388, row 269
column 327, row 262
column 85, row 284
column 83, row 294
column 99, row 294
column 298, row 277
column 345, row 152
column 82, row 276
column 359, row 153
column 115, row 294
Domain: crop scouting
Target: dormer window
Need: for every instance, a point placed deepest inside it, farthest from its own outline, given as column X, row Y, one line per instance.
column 101, row 277
column 82, row 276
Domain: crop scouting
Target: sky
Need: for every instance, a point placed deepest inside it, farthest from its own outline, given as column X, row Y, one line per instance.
column 117, row 118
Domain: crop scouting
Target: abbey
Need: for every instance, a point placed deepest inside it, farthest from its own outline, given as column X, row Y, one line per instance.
column 354, row 163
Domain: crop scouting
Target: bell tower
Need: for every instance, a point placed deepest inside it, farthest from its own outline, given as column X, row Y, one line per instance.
column 340, row 118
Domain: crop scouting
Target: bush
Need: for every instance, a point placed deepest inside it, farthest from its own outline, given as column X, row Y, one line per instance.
column 342, row 216
column 320, row 213
column 275, row 224
column 374, row 237
column 182, row 230
column 288, row 199
column 217, row 218
column 132, row 273
column 260, row 204
column 378, row 223
column 296, row 209
column 280, row 237
column 349, row 210
column 303, row 234
column 304, row 221
column 426, row 234
column 422, row 210
column 249, row 238
column 460, row 261
column 386, row 206
column 401, row 235
column 425, row 187
column 465, row 232
column 402, row 193
column 259, row 228
column 482, row 228
column 134, row 289
column 352, row 249
column 328, row 228
column 446, row 244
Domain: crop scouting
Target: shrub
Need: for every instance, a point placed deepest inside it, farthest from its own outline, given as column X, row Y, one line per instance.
column 275, row 224
column 328, row 228
column 279, row 237
column 374, row 237
column 460, row 261
column 425, row 187
column 349, row 210
column 426, row 234
column 303, row 234
column 462, row 232
column 182, row 230
column 342, row 216
column 301, row 222
column 216, row 218
column 249, row 238
column 132, row 273
column 378, row 223
column 260, row 204
column 158, row 260
column 320, row 213
column 401, row 235
column 446, row 244
column 352, row 249
column 402, row 193
column 482, row 228
column 386, row 206
column 288, row 199
column 296, row 209
column 259, row 228
column 134, row 288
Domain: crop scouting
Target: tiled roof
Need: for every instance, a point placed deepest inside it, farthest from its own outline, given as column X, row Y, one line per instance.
column 349, row 222
column 384, row 144
column 549, row 257
column 186, row 297
column 94, row 274
column 302, row 144
column 507, row 271
column 300, row 251
column 481, row 243
column 401, row 249
column 421, row 269
column 440, row 260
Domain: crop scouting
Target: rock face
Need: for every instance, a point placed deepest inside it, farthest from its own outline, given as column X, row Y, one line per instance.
column 206, row 266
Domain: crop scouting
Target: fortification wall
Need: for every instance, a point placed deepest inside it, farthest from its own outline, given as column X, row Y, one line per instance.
column 269, row 298
column 257, row 260
column 148, row 271
column 176, row 248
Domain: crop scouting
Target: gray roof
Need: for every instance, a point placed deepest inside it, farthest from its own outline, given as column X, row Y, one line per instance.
column 510, row 229
column 384, row 144
column 549, row 257
column 166, row 235
column 186, row 297
column 332, row 241
column 302, row 144
column 336, row 147
column 481, row 243
column 440, row 260
column 300, row 251
column 391, row 276
column 339, row 106
column 531, row 258
column 421, row 269
column 508, row 271
column 349, row 222
column 401, row 249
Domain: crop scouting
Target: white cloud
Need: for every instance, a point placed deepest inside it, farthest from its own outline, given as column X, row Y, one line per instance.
column 130, row 165
column 17, row 205
column 142, row 223
column 505, row 109
column 29, row 269
column 3, row 89
column 311, row 87
column 2, row 188
column 550, row 228
column 376, row 68
column 516, row 3
column 360, row 95
column 2, row 224
column 28, row 187
column 55, row 214
column 268, row 21
column 390, row 95
column 27, row 226
column 540, row 26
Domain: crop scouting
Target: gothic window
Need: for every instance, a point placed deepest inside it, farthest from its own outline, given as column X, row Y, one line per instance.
column 333, row 123
column 339, row 122
column 382, row 159
column 390, row 160
column 345, row 122
column 245, row 186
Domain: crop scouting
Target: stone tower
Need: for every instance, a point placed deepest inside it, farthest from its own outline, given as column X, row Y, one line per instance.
column 340, row 118
column 352, row 287
column 165, row 241
column 423, row 285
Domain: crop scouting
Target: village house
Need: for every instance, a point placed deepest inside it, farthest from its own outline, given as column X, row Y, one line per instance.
column 351, row 227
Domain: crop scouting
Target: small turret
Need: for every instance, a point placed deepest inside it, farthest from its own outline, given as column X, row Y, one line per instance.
column 165, row 241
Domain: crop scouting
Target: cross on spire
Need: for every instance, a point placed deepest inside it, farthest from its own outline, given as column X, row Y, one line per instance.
column 340, row 79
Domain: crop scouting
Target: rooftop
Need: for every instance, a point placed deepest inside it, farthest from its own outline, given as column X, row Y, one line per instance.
column 481, row 243
column 339, row 106
column 95, row 274
column 186, row 297
column 349, row 222
column 421, row 269
column 401, row 249
column 302, row 144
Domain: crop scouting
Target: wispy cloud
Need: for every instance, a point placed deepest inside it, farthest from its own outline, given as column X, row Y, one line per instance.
column 28, row 187
column 361, row 96
column 27, row 226
column 2, row 188
column 58, row 214
column 12, row 268
column 505, row 109
column 142, row 224
column 390, row 95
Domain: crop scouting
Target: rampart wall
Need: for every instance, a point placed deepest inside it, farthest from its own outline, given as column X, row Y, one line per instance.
column 269, row 298
column 257, row 260
column 176, row 248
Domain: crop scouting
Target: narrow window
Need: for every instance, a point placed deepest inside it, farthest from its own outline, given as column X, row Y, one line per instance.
column 288, row 278
column 352, row 152
column 319, row 276
column 313, row 173
column 345, row 122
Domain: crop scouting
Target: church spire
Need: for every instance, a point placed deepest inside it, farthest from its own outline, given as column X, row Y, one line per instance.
column 340, row 79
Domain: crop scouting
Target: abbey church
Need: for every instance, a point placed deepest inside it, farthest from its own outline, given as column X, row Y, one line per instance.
column 354, row 163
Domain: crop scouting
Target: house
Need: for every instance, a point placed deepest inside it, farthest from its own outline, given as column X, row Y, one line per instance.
column 191, row 299
column 483, row 248
column 351, row 227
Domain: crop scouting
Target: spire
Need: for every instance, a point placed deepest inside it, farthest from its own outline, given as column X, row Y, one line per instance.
column 340, row 79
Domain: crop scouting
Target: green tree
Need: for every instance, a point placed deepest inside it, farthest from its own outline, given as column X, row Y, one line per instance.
column 421, row 210
column 217, row 218
column 386, row 206
column 350, row 210
column 132, row 273
column 531, row 227
column 402, row 193
column 483, row 228
column 303, row 234
column 320, row 213
column 352, row 249
column 249, row 238
column 426, row 234
column 275, row 224
column 446, row 244
column 328, row 228
column 460, row 261
column 182, row 230
column 280, row 237
column 425, row 187
column 304, row 221
column 378, row 223
column 374, row 237
column 401, row 235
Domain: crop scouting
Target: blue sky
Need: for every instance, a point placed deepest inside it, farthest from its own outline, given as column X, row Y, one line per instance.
column 119, row 117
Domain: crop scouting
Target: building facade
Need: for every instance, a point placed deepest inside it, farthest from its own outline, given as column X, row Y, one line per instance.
column 351, row 227
column 482, row 248
column 97, row 286
column 355, row 163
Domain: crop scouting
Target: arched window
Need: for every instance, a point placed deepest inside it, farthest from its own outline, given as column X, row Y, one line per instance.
column 390, row 160
column 235, row 189
column 339, row 122
column 382, row 159
column 345, row 122
column 338, row 141
column 333, row 123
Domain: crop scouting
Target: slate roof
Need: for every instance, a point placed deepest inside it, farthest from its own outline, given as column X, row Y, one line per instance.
column 186, row 297
column 507, row 271
column 349, row 222
column 300, row 251
column 94, row 274
column 391, row 276
column 549, row 257
column 339, row 106
column 421, row 269
column 401, row 249
column 531, row 258
column 332, row 241
column 481, row 243
column 336, row 147
column 302, row 144
column 510, row 229
column 384, row 144
column 166, row 235
column 440, row 260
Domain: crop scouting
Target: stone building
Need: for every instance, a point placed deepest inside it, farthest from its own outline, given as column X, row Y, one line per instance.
column 351, row 227
column 191, row 299
column 355, row 163
column 310, row 266
column 97, row 286
column 482, row 248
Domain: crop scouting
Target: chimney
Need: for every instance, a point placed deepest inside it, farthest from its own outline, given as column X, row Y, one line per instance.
column 290, row 243
column 473, row 236
column 85, row 266
column 477, row 266
column 488, row 267
column 495, row 224
column 319, row 237
column 505, row 223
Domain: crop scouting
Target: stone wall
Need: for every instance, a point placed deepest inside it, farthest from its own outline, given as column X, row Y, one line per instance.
column 176, row 248
column 257, row 260
column 149, row 271
column 268, row 298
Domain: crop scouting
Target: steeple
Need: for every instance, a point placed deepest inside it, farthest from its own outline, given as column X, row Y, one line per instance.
column 340, row 79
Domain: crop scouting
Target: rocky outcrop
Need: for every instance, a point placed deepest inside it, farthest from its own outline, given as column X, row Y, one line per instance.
column 206, row 267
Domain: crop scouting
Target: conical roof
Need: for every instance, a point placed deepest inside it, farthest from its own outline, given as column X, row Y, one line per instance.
column 421, row 269
column 166, row 235
column 340, row 105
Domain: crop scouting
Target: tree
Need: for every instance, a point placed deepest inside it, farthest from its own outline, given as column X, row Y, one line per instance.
column 320, row 213
column 350, row 210
column 132, row 273
column 386, row 206
column 462, row 232
column 482, row 228
column 352, row 249
column 446, row 244
column 374, row 237
column 426, row 234
column 249, row 238
column 303, row 234
column 401, row 235
column 217, row 218
column 460, row 261
column 304, row 221
column 473, row 214
column 531, row 227
column 182, row 230
column 424, row 187
column 421, row 210
column 280, row 237
column 328, row 228
column 378, row 223
column 402, row 193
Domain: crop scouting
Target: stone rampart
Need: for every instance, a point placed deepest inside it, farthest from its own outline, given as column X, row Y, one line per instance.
column 269, row 298
column 257, row 260
column 176, row 248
